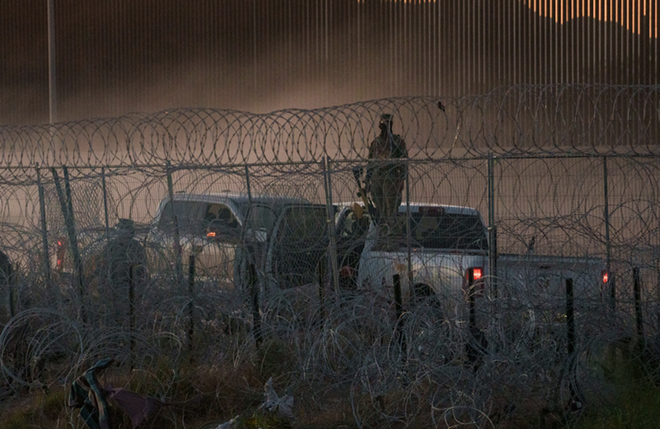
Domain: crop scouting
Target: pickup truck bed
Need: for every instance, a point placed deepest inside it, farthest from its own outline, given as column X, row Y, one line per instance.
column 446, row 242
column 540, row 280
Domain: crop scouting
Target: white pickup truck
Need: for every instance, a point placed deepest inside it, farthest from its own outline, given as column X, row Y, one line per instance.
column 444, row 244
column 286, row 237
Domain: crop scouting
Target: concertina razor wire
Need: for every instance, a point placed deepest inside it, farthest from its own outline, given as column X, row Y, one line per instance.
column 563, row 172
column 515, row 121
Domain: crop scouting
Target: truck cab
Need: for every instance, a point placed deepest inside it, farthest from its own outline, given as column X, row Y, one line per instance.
column 283, row 236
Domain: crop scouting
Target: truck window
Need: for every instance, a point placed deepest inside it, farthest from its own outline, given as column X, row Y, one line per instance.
column 444, row 231
column 221, row 223
column 220, row 213
column 448, row 231
column 189, row 217
column 262, row 217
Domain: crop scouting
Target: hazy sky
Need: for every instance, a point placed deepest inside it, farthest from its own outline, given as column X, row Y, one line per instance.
column 626, row 12
column 120, row 56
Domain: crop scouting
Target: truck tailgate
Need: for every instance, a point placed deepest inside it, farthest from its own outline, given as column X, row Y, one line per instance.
column 541, row 279
column 442, row 272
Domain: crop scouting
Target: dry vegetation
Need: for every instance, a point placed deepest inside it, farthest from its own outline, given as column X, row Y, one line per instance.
column 343, row 363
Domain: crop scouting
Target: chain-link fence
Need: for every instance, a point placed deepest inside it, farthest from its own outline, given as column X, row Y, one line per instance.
column 505, row 284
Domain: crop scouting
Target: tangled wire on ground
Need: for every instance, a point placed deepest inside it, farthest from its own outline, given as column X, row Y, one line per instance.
column 572, row 169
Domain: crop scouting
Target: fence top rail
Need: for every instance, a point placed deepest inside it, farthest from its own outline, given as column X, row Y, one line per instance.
column 17, row 174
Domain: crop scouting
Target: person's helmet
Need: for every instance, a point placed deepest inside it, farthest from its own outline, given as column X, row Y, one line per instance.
column 386, row 119
column 125, row 227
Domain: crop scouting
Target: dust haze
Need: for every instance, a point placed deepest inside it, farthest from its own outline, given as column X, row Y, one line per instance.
column 114, row 58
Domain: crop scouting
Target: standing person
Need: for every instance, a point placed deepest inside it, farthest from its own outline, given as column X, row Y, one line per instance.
column 125, row 270
column 7, row 279
column 385, row 179
column 6, row 269
column 125, row 251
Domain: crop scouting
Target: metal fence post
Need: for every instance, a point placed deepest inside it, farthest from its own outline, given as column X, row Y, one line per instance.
column 570, row 317
column 492, row 259
column 247, row 184
column 322, row 272
column 44, row 227
column 570, row 327
column 69, row 221
column 657, row 286
column 256, row 316
column 637, row 287
column 608, row 248
column 175, row 221
column 331, row 223
column 107, row 221
column 191, row 293
column 248, row 250
column 105, row 202
column 77, row 258
column 131, row 310
column 398, row 307
column 408, row 229
column 472, row 350
column 492, row 229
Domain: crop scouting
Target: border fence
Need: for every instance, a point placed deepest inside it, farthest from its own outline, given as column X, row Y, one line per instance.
column 573, row 170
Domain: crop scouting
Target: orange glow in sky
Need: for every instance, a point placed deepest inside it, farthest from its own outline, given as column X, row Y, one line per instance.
column 628, row 13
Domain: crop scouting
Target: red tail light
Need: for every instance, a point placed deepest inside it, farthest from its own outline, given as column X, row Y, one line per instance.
column 477, row 273
column 605, row 278
column 478, row 282
column 59, row 253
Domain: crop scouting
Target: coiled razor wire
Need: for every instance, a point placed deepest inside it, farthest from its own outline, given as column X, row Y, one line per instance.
column 519, row 120
column 565, row 171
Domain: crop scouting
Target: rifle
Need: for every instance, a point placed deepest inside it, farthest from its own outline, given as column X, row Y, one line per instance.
column 362, row 193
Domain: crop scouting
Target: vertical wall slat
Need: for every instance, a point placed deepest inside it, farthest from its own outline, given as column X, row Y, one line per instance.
column 256, row 50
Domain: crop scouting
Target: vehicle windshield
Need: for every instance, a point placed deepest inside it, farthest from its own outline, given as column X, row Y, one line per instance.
column 446, row 231
column 189, row 214
column 194, row 217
